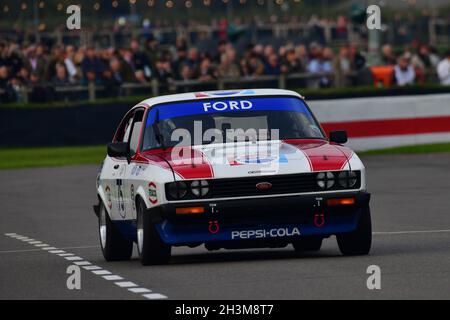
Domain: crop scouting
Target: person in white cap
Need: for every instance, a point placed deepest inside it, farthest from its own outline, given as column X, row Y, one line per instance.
column 443, row 70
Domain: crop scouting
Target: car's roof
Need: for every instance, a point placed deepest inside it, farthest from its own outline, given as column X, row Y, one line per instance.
column 217, row 94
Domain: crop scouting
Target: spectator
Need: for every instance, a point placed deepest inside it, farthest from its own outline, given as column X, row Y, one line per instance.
column 443, row 70
column 252, row 65
column 321, row 62
column 344, row 63
column 140, row 77
column 302, row 53
column 92, row 66
column 291, row 63
column 140, row 60
column 192, row 61
column 227, row 66
column 422, row 61
column 404, row 72
column 387, row 55
column 206, row 70
column 69, row 61
column 8, row 94
column 164, row 72
column 61, row 77
column 357, row 57
column 272, row 66
column 35, row 62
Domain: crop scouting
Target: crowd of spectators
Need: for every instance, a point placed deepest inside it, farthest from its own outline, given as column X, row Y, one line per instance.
column 38, row 66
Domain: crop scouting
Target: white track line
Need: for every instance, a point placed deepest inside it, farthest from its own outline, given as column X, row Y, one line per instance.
column 74, row 258
column 112, row 277
column 86, row 265
column 91, row 267
column 410, row 232
column 57, row 251
column 126, row 284
column 82, row 263
column 139, row 290
column 154, row 296
column 101, row 272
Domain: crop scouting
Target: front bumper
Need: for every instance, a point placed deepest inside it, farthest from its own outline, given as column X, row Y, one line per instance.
column 278, row 219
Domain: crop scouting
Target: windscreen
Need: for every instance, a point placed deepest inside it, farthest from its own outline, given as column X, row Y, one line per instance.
column 227, row 121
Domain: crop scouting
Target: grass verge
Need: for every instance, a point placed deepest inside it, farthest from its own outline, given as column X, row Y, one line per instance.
column 424, row 148
column 17, row 158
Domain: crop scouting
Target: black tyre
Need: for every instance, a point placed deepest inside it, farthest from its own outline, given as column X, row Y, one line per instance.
column 115, row 246
column 152, row 250
column 359, row 241
column 305, row 244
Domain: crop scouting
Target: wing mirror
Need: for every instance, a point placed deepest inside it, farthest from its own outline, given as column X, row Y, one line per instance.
column 119, row 150
column 338, row 137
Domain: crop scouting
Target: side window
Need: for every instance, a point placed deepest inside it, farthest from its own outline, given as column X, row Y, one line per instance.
column 126, row 136
column 136, row 131
column 123, row 133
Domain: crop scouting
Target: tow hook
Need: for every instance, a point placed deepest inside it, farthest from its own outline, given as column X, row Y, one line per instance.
column 319, row 220
column 213, row 227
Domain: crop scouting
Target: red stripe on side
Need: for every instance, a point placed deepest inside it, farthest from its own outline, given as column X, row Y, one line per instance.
column 321, row 155
column 390, row 127
column 188, row 163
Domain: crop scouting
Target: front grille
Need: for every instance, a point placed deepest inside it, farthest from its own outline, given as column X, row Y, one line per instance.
column 281, row 184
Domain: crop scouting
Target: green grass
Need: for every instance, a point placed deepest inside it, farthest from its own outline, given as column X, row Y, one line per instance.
column 17, row 158
column 425, row 148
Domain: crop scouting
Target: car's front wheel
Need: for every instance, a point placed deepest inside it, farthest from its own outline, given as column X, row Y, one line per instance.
column 152, row 250
column 115, row 246
column 359, row 241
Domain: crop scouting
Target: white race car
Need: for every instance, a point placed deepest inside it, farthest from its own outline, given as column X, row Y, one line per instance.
column 232, row 169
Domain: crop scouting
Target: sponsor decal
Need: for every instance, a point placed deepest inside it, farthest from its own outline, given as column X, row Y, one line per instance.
column 265, row 233
column 120, row 199
column 152, row 195
column 132, row 195
column 135, row 170
column 262, row 172
column 257, row 159
column 122, row 170
column 221, row 106
column 108, row 197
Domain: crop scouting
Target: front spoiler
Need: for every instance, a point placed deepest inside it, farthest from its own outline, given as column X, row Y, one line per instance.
column 276, row 219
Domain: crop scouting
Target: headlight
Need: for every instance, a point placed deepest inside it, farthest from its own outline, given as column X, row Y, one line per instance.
column 347, row 179
column 177, row 190
column 199, row 188
column 325, row 180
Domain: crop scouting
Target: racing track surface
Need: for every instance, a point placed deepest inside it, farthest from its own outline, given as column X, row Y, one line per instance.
column 409, row 194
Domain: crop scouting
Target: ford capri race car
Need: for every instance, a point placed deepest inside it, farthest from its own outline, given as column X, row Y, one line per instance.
column 235, row 169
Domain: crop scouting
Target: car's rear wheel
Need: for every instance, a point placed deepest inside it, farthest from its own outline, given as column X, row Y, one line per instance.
column 359, row 241
column 152, row 250
column 115, row 246
column 305, row 244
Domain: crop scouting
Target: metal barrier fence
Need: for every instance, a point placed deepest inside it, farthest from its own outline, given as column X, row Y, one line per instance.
column 48, row 92
column 92, row 91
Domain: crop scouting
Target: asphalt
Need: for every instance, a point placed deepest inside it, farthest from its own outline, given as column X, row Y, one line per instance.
column 411, row 218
